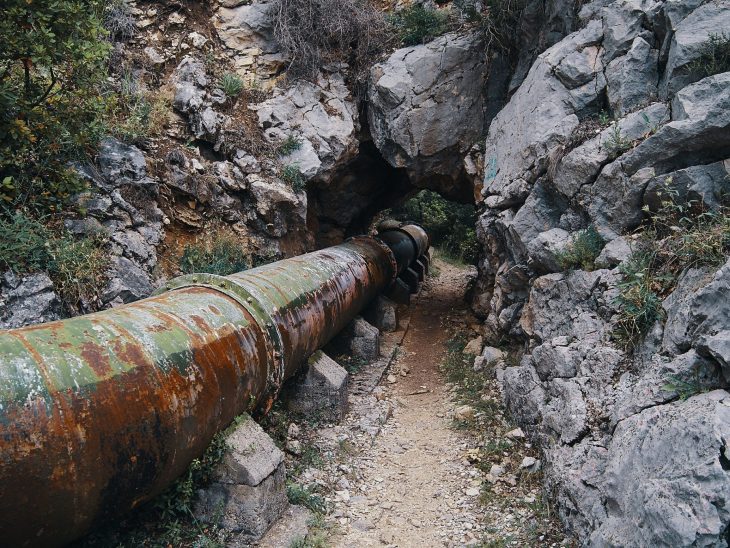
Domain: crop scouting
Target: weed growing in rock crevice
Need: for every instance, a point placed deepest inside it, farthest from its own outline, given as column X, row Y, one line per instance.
column 582, row 251
column 714, row 56
column 231, row 84
column 680, row 236
column 77, row 267
column 291, row 144
column 292, row 176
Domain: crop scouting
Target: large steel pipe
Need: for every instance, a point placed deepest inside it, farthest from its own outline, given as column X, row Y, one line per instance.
column 100, row 413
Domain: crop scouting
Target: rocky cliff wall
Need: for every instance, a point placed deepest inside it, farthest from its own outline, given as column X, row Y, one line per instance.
column 631, row 459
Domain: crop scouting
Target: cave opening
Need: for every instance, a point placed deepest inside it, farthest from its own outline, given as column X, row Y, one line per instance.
column 368, row 189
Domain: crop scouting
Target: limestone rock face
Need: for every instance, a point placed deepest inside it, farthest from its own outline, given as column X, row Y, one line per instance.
column 426, row 110
column 322, row 116
column 246, row 29
column 25, row 300
column 634, row 450
column 122, row 204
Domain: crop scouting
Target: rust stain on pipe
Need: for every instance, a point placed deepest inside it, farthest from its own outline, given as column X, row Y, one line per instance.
column 102, row 412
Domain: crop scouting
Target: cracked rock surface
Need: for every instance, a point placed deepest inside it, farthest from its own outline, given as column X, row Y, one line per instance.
column 632, row 459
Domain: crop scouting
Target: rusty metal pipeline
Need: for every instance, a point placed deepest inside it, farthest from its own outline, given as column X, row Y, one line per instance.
column 102, row 412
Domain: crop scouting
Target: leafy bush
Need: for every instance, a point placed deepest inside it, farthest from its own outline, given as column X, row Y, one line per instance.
column 316, row 32
column 583, row 250
column 291, row 144
column 53, row 58
column 417, row 25
column 450, row 225
column 232, row 85
column 714, row 56
column 222, row 256
column 293, row 177
column 76, row 267
column 679, row 236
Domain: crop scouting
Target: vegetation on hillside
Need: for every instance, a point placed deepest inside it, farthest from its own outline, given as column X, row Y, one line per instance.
column 417, row 24
column 223, row 256
column 52, row 65
column 582, row 251
column 316, row 32
column 680, row 235
column 77, row 267
column 714, row 56
column 450, row 225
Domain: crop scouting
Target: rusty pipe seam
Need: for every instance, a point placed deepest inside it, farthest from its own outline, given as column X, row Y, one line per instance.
column 101, row 412
column 273, row 338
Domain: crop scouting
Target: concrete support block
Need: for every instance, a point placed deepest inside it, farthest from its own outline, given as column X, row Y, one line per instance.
column 320, row 389
column 248, row 493
column 359, row 340
column 399, row 292
column 291, row 529
column 364, row 340
column 410, row 277
column 383, row 314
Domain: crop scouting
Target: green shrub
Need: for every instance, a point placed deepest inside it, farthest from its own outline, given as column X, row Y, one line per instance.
column 232, row 85
column 679, row 236
column 222, row 256
column 307, row 497
column 53, row 58
column 450, row 225
column 291, row 144
column 417, row 25
column 582, row 251
column 293, row 177
column 77, row 267
column 617, row 144
column 714, row 57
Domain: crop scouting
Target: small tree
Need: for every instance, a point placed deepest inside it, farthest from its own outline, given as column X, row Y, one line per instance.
column 52, row 61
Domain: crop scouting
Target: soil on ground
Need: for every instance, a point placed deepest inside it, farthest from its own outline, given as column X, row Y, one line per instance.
column 415, row 463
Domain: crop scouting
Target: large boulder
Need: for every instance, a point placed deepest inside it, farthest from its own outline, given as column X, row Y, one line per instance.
column 426, row 110
column 666, row 478
column 687, row 40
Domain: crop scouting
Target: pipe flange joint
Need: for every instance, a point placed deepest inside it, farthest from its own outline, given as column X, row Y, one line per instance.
column 236, row 291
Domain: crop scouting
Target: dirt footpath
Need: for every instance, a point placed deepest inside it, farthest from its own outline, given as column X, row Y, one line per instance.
column 416, row 487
